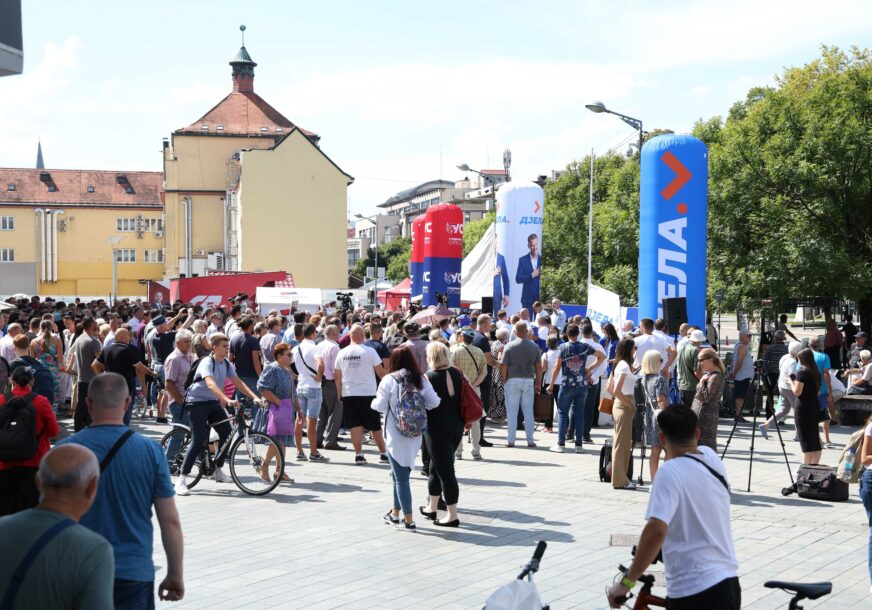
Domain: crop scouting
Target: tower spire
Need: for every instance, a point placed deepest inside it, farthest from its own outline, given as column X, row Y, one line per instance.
column 243, row 68
column 40, row 164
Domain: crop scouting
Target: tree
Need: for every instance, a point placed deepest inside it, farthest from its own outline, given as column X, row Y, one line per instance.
column 393, row 256
column 475, row 230
column 790, row 206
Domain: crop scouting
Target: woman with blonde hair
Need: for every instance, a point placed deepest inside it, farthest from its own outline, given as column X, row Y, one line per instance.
column 444, row 431
column 49, row 350
column 655, row 388
column 707, row 401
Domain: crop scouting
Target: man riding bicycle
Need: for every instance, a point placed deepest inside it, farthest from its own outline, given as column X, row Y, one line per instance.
column 689, row 517
column 205, row 402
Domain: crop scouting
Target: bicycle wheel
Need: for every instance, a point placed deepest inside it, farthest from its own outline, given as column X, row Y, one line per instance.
column 175, row 461
column 248, row 463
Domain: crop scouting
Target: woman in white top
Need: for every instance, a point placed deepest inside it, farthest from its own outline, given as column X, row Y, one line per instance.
column 402, row 449
column 788, row 400
column 549, row 361
column 622, row 385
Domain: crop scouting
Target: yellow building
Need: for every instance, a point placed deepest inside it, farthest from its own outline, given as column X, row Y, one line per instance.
column 59, row 229
column 248, row 190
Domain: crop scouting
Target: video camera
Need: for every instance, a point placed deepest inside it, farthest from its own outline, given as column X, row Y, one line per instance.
column 345, row 299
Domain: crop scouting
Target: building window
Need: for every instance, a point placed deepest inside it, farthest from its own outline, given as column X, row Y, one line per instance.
column 154, row 256
column 10, row 187
column 152, row 224
column 125, row 255
column 126, row 225
column 7, row 255
column 7, row 223
column 90, row 188
column 132, row 225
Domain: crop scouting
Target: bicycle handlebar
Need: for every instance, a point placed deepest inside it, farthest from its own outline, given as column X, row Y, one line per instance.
column 533, row 566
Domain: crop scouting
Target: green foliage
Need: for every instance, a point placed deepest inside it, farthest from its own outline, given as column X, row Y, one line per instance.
column 790, row 205
column 615, row 230
column 393, row 256
column 475, row 230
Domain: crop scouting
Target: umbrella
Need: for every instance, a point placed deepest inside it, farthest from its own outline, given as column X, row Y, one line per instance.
column 432, row 315
column 4, row 306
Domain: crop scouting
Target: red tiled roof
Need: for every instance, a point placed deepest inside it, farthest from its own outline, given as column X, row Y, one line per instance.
column 72, row 187
column 244, row 114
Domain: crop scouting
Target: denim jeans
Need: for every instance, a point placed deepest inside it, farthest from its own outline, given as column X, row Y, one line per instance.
column 176, row 441
column 401, row 488
column 129, row 412
column 201, row 414
column 866, row 496
column 251, row 382
column 310, row 401
column 574, row 399
column 133, row 594
column 519, row 394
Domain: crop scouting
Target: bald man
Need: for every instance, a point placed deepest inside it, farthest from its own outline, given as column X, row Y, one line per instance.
column 135, row 481
column 75, row 568
column 356, row 387
column 126, row 360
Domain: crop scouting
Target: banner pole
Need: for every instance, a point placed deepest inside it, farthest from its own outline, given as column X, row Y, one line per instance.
column 590, row 225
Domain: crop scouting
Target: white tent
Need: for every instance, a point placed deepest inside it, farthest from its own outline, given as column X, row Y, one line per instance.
column 308, row 299
column 477, row 269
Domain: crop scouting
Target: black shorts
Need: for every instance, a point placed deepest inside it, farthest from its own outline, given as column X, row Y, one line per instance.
column 726, row 595
column 357, row 411
column 741, row 387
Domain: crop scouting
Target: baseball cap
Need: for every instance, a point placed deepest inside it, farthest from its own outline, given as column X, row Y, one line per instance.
column 468, row 332
column 412, row 328
column 861, row 335
column 158, row 320
column 745, row 333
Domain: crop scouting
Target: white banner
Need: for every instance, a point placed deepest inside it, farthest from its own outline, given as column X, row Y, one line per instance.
column 603, row 306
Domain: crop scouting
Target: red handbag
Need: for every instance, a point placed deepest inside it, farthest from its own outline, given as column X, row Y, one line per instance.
column 470, row 404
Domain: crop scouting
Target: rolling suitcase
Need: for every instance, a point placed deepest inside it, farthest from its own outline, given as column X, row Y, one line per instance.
column 605, row 463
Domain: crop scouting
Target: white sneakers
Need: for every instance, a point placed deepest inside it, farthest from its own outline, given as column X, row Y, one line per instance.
column 182, row 486
column 220, row 477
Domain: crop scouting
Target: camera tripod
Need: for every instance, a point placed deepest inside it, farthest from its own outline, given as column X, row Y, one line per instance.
column 760, row 378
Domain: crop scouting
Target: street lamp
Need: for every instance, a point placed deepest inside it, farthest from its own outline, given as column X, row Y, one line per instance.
column 375, row 222
column 598, row 107
column 465, row 168
column 113, row 242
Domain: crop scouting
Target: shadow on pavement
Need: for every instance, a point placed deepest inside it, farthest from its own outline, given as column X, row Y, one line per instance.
column 512, row 516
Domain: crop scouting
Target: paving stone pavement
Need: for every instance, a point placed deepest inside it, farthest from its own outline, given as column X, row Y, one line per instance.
column 321, row 543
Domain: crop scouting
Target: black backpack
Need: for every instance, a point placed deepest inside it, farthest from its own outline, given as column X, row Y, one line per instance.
column 192, row 378
column 605, row 463
column 18, row 440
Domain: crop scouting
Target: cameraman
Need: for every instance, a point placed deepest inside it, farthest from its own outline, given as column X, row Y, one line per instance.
column 689, row 517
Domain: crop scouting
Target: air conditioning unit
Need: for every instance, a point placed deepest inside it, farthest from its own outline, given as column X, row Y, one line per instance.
column 158, row 233
column 199, row 253
column 215, row 260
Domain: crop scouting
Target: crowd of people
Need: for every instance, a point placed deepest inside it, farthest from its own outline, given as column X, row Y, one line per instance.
column 383, row 379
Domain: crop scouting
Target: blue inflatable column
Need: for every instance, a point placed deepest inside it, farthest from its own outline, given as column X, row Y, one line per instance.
column 673, row 218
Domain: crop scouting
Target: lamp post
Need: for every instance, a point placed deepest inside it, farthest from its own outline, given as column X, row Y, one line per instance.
column 113, row 242
column 376, row 223
column 598, row 107
column 465, row 168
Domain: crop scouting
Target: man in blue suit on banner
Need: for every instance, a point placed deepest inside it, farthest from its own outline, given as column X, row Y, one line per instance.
column 501, row 281
column 529, row 268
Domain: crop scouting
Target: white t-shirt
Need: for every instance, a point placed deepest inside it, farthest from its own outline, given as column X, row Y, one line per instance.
column 786, row 366
column 403, row 449
column 629, row 379
column 549, row 359
column 601, row 369
column 356, row 363
column 649, row 342
column 698, row 552
column 306, row 353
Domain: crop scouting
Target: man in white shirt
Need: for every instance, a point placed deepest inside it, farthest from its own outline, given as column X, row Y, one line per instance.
column 356, row 387
column 310, row 371
column 660, row 330
column 558, row 316
column 689, row 518
column 648, row 341
column 502, row 321
column 7, row 349
column 215, row 325
column 330, row 418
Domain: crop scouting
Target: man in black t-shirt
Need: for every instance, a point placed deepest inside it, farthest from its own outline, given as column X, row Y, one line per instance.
column 482, row 342
column 245, row 355
column 124, row 359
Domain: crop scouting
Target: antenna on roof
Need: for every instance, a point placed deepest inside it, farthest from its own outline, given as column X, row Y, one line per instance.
column 242, row 29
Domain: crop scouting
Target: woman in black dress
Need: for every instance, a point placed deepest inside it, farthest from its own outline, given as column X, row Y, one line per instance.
column 444, row 430
column 806, row 383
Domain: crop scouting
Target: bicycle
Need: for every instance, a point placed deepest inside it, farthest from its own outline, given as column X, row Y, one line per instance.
column 645, row 600
column 507, row 595
column 244, row 450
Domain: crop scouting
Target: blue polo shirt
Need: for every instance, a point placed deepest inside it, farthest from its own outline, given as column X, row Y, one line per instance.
column 823, row 362
column 122, row 510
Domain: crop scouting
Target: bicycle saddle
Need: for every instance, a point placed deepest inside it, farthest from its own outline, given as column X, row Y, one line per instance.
column 807, row 590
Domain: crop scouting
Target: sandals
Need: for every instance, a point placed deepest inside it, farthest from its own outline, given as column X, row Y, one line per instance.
column 285, row 478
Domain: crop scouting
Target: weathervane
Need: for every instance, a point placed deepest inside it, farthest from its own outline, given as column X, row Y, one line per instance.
column 242, row 29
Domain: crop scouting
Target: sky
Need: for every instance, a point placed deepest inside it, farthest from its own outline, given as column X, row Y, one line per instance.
column 400, row 92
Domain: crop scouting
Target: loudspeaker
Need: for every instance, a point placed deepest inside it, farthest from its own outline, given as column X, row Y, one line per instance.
column 675, row 313
column 487, row 305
